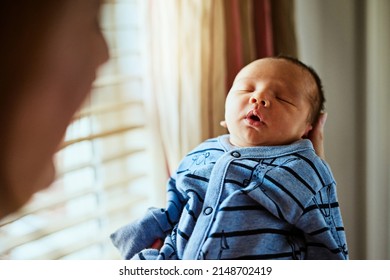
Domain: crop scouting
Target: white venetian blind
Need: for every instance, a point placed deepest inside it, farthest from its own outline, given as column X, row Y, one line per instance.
column 103, row 166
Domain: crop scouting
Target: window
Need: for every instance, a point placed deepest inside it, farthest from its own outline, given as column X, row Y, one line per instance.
column 103, row 164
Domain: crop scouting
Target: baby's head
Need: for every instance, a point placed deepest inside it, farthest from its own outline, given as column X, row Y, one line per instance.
column 273, row 101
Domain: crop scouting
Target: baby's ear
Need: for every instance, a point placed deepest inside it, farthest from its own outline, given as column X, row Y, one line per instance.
column 307, row 131
column 223, row 124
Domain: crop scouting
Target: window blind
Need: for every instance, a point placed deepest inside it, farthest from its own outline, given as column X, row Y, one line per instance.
column 102, row 166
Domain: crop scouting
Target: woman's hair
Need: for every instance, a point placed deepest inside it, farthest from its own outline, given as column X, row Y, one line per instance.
column 24, row 28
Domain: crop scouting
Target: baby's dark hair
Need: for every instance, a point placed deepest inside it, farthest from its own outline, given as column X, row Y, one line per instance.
column 319, row 100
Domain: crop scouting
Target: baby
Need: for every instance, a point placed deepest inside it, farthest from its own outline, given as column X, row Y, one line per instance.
column 259, row 192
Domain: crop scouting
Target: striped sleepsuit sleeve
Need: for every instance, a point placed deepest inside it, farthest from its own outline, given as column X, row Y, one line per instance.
column 133, row 239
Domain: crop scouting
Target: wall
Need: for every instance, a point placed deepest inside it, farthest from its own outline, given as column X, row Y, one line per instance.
column 348, row 43
column 327, row 39
column 378, row 129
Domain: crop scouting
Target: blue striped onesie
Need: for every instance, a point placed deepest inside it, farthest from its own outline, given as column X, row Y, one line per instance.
column 226, row 202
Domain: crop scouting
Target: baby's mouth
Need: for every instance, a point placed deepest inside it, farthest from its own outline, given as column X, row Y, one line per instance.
column 254, row 118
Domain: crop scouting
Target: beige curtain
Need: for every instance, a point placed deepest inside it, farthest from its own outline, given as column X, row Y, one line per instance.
column 185, row 75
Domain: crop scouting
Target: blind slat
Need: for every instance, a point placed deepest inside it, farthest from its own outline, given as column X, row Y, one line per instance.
column 96, row 110
column 114, row 80
column 103, row 161
column 56, row 201
column 101, row 135
column 120, row 205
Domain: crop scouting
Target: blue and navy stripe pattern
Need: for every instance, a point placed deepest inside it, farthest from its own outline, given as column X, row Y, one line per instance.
column 225, row 202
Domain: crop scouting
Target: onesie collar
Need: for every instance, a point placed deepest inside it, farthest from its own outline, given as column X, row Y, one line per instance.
column 266, row 151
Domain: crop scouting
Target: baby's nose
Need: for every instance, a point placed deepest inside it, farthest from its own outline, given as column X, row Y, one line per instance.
column 259, row 99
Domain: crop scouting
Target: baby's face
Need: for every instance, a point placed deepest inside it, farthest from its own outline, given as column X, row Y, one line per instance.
column 268, row 104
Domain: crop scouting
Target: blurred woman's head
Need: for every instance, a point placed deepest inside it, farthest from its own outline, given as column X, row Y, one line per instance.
column 49, row 56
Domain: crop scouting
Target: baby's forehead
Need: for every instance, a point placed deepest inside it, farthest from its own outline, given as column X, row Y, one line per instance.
column 278, row 70
column 267, row 69
column 272, row 66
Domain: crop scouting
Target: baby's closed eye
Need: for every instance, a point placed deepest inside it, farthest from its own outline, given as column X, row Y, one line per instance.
column 285, row 100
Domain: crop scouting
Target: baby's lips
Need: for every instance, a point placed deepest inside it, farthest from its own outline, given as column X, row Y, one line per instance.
column 254, row 114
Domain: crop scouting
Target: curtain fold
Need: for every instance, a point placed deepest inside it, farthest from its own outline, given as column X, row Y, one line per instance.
column 283, row 27
column 186, row 84
column 234, row 43
column 262, row 22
